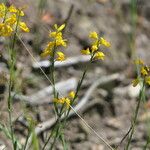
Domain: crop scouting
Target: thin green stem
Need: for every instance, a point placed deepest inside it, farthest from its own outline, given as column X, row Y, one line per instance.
column 57, row 133
column 29, row 133
column 78, row 89
column 11, row 81
column 48, row 139
column 135, row 116
column 52, row 70
column 45, row 144
column 148, row 127
column 52, row 75
column 63, row 141
column 147, row 144
column 10, row 111
column 55, row 126
column 124, row 137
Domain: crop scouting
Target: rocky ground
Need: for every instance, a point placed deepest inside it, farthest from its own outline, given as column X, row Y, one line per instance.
column 111, row 105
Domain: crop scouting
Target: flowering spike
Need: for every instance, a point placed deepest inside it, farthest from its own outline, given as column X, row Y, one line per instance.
column 145, row 73
column 57, row 41
column 94, row 51
column 11, row 20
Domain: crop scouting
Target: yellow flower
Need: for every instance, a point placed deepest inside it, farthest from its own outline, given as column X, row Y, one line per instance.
column 72, row 94
column 135, row 82
column 11, row 20
column 12, row 9
column 5, row 30
column 85, row 51
column 21, row 13
column 52, row 34
column 57, row 40
column 63, row 100
column 147, row 80
column 50, row 45
column 139, row 62
column 59, row 100
column 46, row 53
column 94, row 48
column 144, row 72
column 59, row 29
column 60, row 42
column 24, row 27
column 99, row 55
column 67, row 101
column 9, row 17
column 60, row 56
column 93, row 35
column 48, row 50
column 104, row 42
column 2, row 10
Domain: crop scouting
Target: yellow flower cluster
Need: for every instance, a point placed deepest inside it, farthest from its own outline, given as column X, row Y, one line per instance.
column 9, row 19
column 57, row 40
column 65, row 100
column 144, row 73
column 94, row 49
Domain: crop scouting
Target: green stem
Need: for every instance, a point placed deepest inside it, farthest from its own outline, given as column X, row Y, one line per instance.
column 55, row 126
column 135, row 116
column 147, row 144
column 29, row 133
column 48, row 139
column 50, row 135
column 77, row 91
column 52, row 71
column 10, row 112
column 52, row 75
column 57, row 133
column 11, row 81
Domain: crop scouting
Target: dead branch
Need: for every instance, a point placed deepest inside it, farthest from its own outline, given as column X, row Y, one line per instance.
column 45, row 95
column 68, row 62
